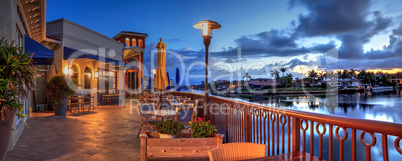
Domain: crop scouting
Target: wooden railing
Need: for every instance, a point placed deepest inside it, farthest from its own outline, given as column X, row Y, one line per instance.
column 285, row 130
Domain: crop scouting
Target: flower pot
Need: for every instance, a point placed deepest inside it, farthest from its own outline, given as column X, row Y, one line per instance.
column 5, row 132
column 166, row 136
column 61, row 108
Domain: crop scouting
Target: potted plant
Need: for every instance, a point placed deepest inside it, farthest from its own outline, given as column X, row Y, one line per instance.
column 168, row 128
column 59, row 91
column 16, row 81
column 201, row 128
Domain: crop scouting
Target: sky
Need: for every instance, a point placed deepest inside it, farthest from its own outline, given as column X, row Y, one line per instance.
column 256, row 36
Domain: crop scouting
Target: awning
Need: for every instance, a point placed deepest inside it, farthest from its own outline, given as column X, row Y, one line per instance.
column 68, row 54
column 41, row 54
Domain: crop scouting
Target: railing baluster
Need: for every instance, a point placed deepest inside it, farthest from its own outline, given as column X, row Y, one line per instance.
column 295, row 134
column 368, row 146
column 273, row 132
column 261, row 126
column 320, row 134
column 269, row 133
column 385, row 147
column 288, row 134
column 312, row 138
column 277, row 134
column 353, row 144
column 283, row 132
column 330, row 155
column 341, row 141
column 304, row 134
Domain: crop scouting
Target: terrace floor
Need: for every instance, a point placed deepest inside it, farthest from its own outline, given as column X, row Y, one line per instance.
column 109, row 133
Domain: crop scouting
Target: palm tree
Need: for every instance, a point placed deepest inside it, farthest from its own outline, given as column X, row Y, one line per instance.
column 312, row 75
column 283, row 70
column 322, row 75
column 275, row 74
column 290, row 75
column 345, row 74
column 352, row 72
column 246, row 76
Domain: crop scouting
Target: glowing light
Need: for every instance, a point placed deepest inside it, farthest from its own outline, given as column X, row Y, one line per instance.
column 70, row 71
column 89, row 74
column 153, row 71
column 65, row 71
column 205, row 29
column 96, row 74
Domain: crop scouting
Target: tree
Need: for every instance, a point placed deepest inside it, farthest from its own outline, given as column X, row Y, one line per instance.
column 275, row 74
column 246, row 76
column 290, row 75
column 352, row 72
column 283, row 70
column 312, row 75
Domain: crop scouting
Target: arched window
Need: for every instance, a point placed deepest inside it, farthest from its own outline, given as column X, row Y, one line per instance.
column 140, row 43
column 133, row 42
column 74, row 71
column 88, row 77
column 127, row 42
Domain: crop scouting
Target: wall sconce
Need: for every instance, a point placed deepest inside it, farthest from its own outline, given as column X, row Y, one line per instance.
column 70, row 71
column 96, row 74
column 65, row 71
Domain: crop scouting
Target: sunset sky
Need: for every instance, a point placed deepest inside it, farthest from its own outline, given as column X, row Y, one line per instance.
column 297, row 34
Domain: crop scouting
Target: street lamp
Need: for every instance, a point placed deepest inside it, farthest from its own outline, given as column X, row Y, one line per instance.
column 154, row 73
column 207, row 26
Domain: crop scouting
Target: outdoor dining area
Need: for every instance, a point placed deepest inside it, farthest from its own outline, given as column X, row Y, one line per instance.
column 80, row 101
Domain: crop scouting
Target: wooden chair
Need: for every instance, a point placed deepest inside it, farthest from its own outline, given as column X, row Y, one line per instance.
column 181, row 100
column 185, row 114
column 86, row 101
column 195, row 104
column 237, row 151
column 147, row 121
column 164, row 105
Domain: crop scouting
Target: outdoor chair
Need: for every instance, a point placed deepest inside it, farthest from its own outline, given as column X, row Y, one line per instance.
column 74, row 102
column 164, row 105
column 195, row 104
column 237, row 151
column 147, row 121
column 185, row 114
column 181, row 100
column 86, row 101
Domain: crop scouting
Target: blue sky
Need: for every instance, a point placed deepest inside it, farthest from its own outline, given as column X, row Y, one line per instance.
column 295, row 34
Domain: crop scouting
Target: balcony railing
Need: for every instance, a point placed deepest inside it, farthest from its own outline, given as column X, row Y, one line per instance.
column 285, row 130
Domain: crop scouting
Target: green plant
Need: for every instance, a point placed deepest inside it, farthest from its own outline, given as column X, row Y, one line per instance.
column 201, row 128
column 16, row 79
column 57, row 88
column 169, row 127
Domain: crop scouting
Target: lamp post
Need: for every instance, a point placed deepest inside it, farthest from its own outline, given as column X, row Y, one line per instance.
column 207, row 26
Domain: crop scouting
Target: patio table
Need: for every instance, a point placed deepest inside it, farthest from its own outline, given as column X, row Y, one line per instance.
column 162, row 113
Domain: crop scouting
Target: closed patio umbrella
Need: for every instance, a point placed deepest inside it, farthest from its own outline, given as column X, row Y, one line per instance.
column 168, row 78
column 161, row 81
column 178, row 87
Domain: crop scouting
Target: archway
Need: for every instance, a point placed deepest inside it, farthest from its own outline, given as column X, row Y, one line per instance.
column 87, row 78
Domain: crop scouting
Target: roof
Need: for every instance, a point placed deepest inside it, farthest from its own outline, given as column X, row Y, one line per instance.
column 263, row 82
column 130, row 33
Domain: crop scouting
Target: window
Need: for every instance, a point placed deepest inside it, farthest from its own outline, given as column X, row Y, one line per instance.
column 133, row 42
column 18, row 38
column 127, row 42
column 140, row 43
column 87, row 78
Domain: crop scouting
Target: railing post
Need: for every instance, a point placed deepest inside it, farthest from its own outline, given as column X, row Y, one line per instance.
column 295, row 134
column 247, row 124
column 226, row 123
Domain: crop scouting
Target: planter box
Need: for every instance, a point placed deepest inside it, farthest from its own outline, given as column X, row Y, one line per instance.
column 183, row 147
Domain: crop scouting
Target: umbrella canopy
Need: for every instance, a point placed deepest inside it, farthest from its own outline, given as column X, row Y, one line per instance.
column 178, row 87
column 168, row 87
column 161, row 81
column 150, row 83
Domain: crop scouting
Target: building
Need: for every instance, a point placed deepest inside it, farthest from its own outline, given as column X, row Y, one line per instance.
column 24, row 22
column 261, row 82
column 95, row 60
column 133, row 55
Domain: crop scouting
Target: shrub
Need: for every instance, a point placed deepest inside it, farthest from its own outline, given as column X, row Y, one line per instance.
column 58, row 88
column 16, row 78
column 169, row 127
column 201, row 128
